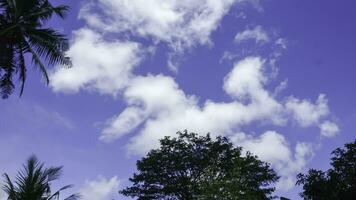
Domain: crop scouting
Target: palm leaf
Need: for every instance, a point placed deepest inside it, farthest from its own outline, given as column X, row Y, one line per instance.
column 21, row 33
column 9, row 187
column 22, row 71
column 37, row 61
column 7, row 68
column 50, row 45
column 33, row 182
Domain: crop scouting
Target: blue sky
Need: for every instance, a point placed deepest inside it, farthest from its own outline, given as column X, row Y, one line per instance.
column 276, row 77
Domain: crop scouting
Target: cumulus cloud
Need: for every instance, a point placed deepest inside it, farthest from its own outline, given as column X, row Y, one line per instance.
column 100, row 189
column 192, row 21
column 307, row 113
column 257, row 33
column 158, row 107
column 105, row 66
column 158, row 104
column 99, row 65
column 148, row 98
column 329, row 129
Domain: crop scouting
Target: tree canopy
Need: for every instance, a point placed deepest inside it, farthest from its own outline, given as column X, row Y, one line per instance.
column 23, row 31
column 198, row 167
column 33, row 182
column 339, row 182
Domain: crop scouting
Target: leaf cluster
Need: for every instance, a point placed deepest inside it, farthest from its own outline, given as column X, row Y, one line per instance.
column 23, row 31
column 33, row 182
column 198, row 167
column 339, row 182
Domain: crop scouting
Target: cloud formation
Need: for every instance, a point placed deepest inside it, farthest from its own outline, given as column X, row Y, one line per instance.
column 329, row 129
column 306, row 113
column 157, row 102
column 180, row 24
column 105, row 65
column 257, row 33
column 192, row 21
column 158, row 107
column 98, row 65
column 100, row 189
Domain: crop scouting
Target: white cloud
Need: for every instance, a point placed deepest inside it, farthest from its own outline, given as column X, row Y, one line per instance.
column 273, row 147
column 149, row 98
column 156, row 106
column 258, row 34
column 129, row 119
column 100, row 189
column 180, row 24
column 269, row 146
column 103, row 66
column 192, row 21
column 329, row 129
column 245, row 81
column 280, row 88
column 159, row 107
column 305, row 112
column 106, row 66
column 282, row 43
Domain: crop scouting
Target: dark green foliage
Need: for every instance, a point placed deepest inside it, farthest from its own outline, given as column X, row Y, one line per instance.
column 339, row 182
column 22, row 32
column 33, row 182
column 198, row 167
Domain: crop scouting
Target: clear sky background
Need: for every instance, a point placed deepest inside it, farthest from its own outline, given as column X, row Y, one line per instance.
column 275, row 76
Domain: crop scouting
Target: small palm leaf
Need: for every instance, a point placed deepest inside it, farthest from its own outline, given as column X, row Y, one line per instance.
column 33, row 182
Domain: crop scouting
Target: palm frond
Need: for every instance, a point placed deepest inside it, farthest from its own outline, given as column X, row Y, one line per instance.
column 46, row 11
column 22, row 71
column 57, row 193
column 37, row 61
column 50, row 45
column 73, row 197
column 53, row 173
column 33, row 182
column 9, row 187
column 21, row 33
column 7, row 69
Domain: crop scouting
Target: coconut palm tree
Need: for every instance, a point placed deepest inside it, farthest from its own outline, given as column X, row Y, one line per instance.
column 33, row 182
column 22, row 32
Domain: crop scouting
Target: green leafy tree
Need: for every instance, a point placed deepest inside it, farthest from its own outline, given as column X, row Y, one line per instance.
column 339, row 182
column 198, row 167
column 33, row 182
column 22, row 32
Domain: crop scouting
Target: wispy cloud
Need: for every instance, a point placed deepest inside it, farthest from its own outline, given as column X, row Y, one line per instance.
column 36, row 115
column 257, row 33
